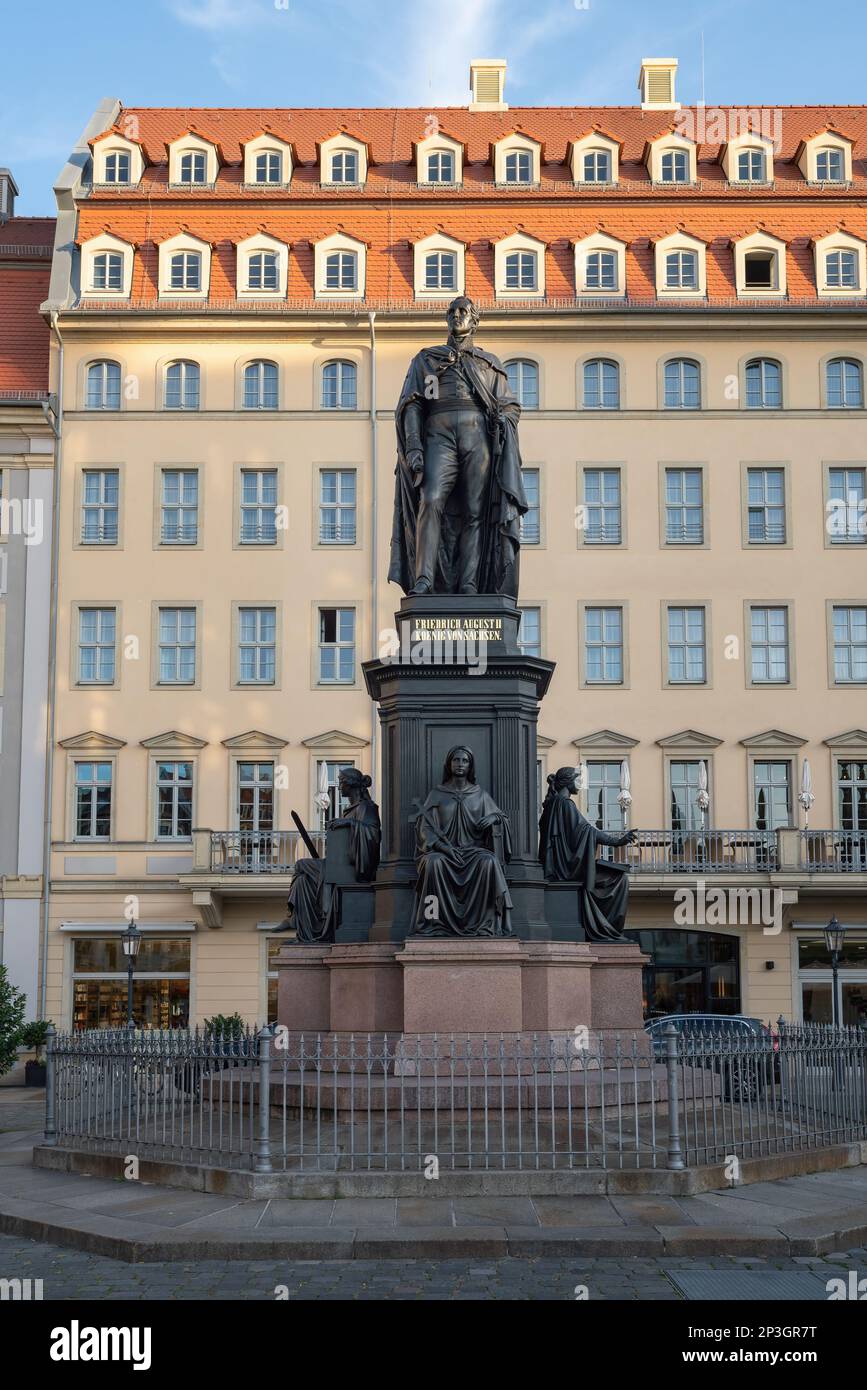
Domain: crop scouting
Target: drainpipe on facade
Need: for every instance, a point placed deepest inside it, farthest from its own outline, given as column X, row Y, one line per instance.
column 57, row 426
column 374, row 562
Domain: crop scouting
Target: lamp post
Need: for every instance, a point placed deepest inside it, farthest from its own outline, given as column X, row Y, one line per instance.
column 834, row 938
column 131, row 941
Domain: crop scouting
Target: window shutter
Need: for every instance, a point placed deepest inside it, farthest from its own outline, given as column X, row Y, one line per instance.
column 659, row 85
column 487, row 85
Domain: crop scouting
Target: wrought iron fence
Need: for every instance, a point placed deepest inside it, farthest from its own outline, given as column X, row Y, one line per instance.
column 268, row 1100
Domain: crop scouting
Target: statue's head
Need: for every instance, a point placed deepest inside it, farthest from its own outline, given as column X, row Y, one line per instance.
column 460, row 763
column 353, row 782
column 463, row 317
column 564, row 777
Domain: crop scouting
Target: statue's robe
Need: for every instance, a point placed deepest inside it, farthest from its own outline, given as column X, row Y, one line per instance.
column 314, row 922
column 567, row 852
column 507, row 503
column 462, row 890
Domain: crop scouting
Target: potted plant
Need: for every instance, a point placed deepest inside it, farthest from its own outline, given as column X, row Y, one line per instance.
column 34, row 1035
column 226, row 1033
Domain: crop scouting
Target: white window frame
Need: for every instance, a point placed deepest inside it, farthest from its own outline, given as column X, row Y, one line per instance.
column 747, row 143
column 773, row 246
column 600, row 241
column 595, row 142
column 192, row 144
column 112, row 143
column 671, row 143
column 840, row 241
column 107, row 244
column 808, row 153
column 267, row 143
column 342, row 143
column 438, row 243
column 339, row 241
column 680, row 241
column 186, row 243
column 517, row 144
column 519, row 241
column 439, row 144
column 261, row 243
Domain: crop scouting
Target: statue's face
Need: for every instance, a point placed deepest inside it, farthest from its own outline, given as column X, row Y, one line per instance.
column 345, row 786
column 460, row 318
column 460, row 763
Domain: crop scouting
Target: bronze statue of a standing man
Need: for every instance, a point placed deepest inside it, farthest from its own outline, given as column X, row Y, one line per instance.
column 459, row 494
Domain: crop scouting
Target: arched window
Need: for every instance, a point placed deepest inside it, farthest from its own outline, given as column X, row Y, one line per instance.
column 263, row 271
column 117, row 167
column 601, row 272
column 674, row 167
column 341, row 271
column 524, row 382
column 601, row 384
column 182, row 386
column 682, row 384
column 260, row 386
column 185, row 271
column 764, row 383
column 844, row 384
column 440, row 270
column 441, row 166
column 841, row 270
column 681, row 270
column 751, row 166
column 339, row 386
column 194, row 164
column 106, row 271
column 269, row 166
column 103, row 386
column 521, row 271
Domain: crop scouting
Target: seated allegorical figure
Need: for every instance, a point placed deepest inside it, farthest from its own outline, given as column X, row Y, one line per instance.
column 314, row 906
column 462, row 889
column 567, row 852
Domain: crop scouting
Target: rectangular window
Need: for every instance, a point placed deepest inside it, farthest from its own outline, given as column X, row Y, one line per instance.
column 341, row 271
column 99, row 498
column 259, row 506
column 268, row 168
column 684, row 786
column 193, row 167
column 336, row 803
column 161, row 987
column 852, row 793
column 850, row 645
column 344, row 167
column 177, row 646
column 847, row 506
column 684, row 507
column 530, row 632
column 255, row 808
column 603, row 645
column 686, row 646
column 186, row 271
column 117, row 167
column 337, row 506
column 174, row 801
column 257, row 645
column 597, row 166
column 603, row 788
column 519, row 167
column 97, row 629
column 769, row 638
column 179, row 506
column 441, row 167
column 772, row 795
column 336, row 646
column 829, row 166
column 531, row 523
column 602, row 514
column 92, row 801
column 766, row 506
column 521, row 270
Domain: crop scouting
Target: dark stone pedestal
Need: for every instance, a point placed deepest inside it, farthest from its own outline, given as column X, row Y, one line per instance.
column 457, row 676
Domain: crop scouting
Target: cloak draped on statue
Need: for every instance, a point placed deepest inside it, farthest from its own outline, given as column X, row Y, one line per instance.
column 460, row 879
column 507, row 502
column 567, row 852
column 314, row 907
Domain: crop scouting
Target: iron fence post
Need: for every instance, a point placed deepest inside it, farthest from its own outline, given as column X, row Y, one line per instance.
column 675, row 1152
column 263, row 1162
column 50, row 1136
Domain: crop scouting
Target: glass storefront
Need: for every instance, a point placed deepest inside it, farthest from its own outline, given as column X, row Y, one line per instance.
column 161, row 983
column 689, row 972
column 817, row 982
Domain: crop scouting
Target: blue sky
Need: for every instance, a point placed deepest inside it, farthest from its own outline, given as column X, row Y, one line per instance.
column 62, row 56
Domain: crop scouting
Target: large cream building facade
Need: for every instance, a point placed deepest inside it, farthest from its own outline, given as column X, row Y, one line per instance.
column 238, row 295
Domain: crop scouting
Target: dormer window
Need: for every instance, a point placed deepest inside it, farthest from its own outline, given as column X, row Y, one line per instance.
column 441, row 167
column 521, row 273
column 597, row 166
column 263, row 271
column 674, row 167
column 760, row 266
column 107, row 271
column 344, row 167
column 681, row 270
column 751, row 166
column 759, row 270
column 341, row 271
column 519, row 167
column 841, row 270
column 185, row 271
column 340, row 263
column 601, row 271
column 830, row 166
column 269, row 167
column 600, row 265
column 117, row 167
column 193, row 167
column 440, row 270
column 438, row 266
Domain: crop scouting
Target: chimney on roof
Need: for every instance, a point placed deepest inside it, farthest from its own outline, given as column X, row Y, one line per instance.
column 656, row 84
column 8, row 194
column 487, row 80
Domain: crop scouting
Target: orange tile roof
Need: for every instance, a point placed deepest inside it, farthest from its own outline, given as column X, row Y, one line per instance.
column 24, row 333
column 392, row 212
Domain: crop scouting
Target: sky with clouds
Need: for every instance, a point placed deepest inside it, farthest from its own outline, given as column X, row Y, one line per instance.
column 62, row 58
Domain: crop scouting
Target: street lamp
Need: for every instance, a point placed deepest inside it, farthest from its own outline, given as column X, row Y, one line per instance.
column 835, row 936
column 131, row 941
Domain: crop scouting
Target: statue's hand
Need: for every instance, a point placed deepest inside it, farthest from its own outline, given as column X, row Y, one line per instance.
column 415, row 461
column 629, row 838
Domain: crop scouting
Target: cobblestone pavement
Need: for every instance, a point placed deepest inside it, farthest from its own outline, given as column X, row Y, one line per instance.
column 71, row 1275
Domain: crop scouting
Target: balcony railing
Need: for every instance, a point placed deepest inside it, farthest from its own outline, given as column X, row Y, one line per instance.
column 709, row 851
column 260, row 851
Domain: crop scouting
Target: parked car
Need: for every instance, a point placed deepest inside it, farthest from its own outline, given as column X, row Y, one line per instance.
column 746, row 1070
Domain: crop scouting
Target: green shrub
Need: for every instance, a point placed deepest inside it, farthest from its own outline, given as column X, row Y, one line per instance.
column 12, row 1005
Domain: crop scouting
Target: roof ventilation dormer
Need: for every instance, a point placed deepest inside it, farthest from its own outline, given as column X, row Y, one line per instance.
column 656, row 84
column 8, row 194
column 487, row 81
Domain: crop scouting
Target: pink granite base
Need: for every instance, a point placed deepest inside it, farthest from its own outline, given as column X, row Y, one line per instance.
column 454, row 986
column 366, row 988
column 303, row 988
